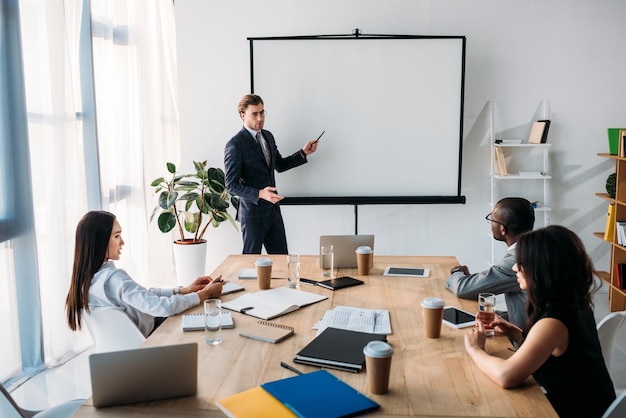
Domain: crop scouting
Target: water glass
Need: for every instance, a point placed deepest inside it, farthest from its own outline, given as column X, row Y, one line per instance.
column 213, row 321
column 487, row 311
column 293, row 267
column 327, row 255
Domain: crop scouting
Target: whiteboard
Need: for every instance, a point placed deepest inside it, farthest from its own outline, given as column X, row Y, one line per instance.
column 391, row 108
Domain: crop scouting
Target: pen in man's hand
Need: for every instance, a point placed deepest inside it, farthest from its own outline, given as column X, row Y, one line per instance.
column 318, row 138
column 288, row 367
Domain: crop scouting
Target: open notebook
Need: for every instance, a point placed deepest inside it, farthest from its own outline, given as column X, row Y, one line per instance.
column 272, row 303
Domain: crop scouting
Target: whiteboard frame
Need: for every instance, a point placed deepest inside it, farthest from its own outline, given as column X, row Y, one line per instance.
column 374, row 199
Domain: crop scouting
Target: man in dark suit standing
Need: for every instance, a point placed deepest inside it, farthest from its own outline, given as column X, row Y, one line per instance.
column 250, row 159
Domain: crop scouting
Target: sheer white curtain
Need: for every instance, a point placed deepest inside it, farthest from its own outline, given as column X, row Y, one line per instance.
column 50, row 46
column 138, row 127
column 137, row 119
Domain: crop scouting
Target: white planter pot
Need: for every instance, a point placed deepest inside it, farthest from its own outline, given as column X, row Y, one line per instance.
column 190, row 261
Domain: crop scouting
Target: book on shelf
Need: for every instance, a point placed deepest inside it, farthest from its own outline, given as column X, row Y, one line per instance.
column 500, row 161
column 620, row 226
column 622, row 143
column 539, row 132
column 272, row 303
column 309, row 395
column 320, row 394
column 195, row 322
column 609, row 230
column 339, row 349
column 267, row 331
column 620, row 271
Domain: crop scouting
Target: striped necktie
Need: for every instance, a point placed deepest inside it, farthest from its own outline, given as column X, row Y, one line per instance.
column 263, row 143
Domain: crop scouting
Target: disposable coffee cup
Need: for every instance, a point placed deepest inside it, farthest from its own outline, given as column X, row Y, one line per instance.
column 364, row 257
column 263, row 273
column 432, row 311
column 378, row 366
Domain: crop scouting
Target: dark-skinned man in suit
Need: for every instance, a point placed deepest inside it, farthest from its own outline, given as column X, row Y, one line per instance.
column 251, row 158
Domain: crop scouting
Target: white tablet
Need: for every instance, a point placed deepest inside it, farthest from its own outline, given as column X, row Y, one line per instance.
column 457, row 318
column 406, row 271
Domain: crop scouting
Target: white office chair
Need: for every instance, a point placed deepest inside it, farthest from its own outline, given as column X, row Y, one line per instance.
column 608, row 329
column 112, row 330
column 618, row 408
column 10, row 409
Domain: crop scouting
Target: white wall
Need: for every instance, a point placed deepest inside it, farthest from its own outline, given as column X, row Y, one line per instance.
column 569, row 52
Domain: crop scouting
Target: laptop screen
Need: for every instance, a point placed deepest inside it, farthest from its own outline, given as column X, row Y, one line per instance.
column 143, row 374
column 344, row 247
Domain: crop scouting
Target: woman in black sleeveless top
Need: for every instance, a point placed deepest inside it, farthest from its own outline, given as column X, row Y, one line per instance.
column 559, row 345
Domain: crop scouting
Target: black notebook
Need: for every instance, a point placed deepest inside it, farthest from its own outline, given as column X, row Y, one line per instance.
column 339, row 282
column 336, row 348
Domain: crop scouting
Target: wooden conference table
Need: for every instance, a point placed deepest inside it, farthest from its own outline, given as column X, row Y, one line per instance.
column 429, row 377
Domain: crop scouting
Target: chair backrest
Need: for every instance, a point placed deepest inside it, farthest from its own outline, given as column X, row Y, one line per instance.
column 8, row 407
column 112, row 330
column 618, row 408
column 608, row 328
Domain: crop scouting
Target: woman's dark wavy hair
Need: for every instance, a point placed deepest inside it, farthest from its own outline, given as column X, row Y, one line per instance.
column 557, row 268
column 92, row 241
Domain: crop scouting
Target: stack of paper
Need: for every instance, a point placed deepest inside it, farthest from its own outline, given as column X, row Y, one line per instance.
column 373, row 321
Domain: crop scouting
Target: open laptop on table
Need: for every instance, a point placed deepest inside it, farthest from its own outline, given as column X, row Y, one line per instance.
column 344, row 247
column 143, row 374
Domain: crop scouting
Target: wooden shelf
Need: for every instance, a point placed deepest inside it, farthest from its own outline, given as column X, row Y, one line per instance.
column 617, row 296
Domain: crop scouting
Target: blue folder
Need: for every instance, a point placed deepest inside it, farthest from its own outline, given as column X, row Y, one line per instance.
column 320, row 394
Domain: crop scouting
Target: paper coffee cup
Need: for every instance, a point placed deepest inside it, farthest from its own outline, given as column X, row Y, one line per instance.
column 263, row 273
column 378, row 366
column 432, row 311
column 364, row 257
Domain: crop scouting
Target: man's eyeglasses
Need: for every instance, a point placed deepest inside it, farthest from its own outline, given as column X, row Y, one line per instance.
column 490, row 219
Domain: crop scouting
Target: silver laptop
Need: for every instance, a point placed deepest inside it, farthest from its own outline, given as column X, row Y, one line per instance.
column 344, row 247
column 143, row 374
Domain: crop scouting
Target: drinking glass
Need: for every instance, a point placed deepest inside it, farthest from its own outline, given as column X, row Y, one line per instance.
column 293, row 266
column 327, row 260
column 487, row 311
column 213, row 321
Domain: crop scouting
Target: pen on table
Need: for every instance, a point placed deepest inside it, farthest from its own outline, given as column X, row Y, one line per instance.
column 288, row 367
column 318, row 138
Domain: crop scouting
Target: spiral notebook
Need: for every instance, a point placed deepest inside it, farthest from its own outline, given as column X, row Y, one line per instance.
column 195, row 322
column 267, row 331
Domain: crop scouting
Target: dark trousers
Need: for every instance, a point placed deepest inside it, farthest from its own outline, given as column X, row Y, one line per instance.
column 270, row 234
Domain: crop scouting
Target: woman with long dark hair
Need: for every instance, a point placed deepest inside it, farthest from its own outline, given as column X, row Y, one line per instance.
column 96, row 282
column 559, row 345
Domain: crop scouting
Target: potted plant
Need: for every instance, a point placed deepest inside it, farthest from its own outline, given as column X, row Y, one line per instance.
column 190, row 203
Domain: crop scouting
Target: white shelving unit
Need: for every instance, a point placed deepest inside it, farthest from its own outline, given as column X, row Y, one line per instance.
column 533, row 161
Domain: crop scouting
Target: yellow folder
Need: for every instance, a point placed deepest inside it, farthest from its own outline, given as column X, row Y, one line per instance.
column 609, row 231
column 255, row 402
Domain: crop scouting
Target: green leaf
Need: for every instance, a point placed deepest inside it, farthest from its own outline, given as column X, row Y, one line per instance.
column 166, row 221
column 191, row 222
column 171, row 168
column 167, row 199
column 158, row 181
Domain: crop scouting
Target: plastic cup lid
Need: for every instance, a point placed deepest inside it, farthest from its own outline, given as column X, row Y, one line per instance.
column 262, row 262
column 433, row 302
column 364, row 249
column 378, row 349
